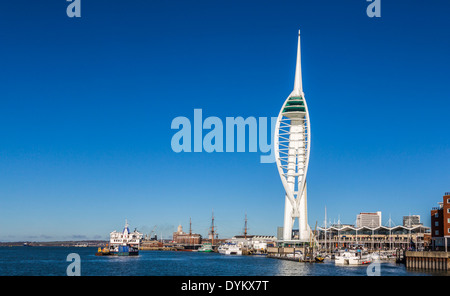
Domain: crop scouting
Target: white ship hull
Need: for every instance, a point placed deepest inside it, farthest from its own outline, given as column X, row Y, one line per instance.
column 230, row 250
column 351, row 258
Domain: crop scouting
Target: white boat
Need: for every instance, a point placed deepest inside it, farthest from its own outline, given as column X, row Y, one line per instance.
column 352, row 258
column 297, row 255
column 383, row 256
column 375, row 256
column 230, row 249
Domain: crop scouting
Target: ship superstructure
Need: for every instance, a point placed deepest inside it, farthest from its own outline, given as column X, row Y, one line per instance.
column 125, row 242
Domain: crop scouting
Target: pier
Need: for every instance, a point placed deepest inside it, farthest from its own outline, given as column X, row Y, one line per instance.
column 427, row 260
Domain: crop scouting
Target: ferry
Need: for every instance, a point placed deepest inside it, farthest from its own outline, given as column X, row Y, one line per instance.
column 123, row 243
column 230, row 249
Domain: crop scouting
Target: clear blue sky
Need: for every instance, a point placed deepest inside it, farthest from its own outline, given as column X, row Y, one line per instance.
column 86, row 107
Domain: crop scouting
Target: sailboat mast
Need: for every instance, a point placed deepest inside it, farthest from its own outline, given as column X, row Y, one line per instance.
column 325, row 227
column 245, row 228
column 212, row 229
column 190, row 231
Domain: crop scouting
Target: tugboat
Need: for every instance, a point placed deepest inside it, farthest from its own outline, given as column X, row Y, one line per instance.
column 123, row 243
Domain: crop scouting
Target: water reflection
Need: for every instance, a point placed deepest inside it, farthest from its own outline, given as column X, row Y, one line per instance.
column 52, row 261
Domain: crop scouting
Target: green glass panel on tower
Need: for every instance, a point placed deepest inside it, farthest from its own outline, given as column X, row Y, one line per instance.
column 294, row 104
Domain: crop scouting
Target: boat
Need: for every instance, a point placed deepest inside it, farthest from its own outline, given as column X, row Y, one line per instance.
column 103, row 252
column 123, row 243
column 230, row 249
column 297, row 254
column 319, row 258
column 352, row 257
column 206, row 248
column 382, row 256
column 375, row 256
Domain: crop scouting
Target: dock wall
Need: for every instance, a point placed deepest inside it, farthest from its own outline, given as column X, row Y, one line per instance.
column 428, row 260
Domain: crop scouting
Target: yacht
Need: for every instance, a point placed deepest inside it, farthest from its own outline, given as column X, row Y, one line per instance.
column 352, row 257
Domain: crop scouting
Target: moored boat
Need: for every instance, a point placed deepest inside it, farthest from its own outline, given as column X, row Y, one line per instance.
column 319, row 259
column 230, row 249
column 206, row 248
column 352, row 257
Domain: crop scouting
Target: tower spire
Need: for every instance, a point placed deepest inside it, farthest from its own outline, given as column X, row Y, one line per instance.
column 298, row 87
column 293, row 127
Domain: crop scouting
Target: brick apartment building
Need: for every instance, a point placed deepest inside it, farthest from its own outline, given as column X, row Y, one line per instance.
column 440, row 224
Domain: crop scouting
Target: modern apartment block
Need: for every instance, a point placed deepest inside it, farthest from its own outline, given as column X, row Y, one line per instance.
column 372, row 220
column 440, row 224
column 411, row 220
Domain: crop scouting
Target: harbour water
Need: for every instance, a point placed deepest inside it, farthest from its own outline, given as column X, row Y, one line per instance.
column 51, row 261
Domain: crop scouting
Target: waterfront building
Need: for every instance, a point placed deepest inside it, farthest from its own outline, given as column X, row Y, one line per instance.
column 151, row 244
column 411, row 220
column 341, row 225
column 257, row 242
column 190, row 238
column 440, row 224
column 373, row 238
column 292, row 141
column 368, row 220
column 280, row 233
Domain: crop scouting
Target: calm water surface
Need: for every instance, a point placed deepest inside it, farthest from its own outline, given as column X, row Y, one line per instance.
column 51, row 261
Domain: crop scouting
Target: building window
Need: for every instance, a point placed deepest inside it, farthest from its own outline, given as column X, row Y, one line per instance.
column 436, row 223
column 436, row 232
column 448, row 220
column 436, row 215
column 448, row 210
column 448, row 200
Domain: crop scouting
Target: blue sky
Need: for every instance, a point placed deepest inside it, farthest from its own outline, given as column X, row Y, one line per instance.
column 86, row 106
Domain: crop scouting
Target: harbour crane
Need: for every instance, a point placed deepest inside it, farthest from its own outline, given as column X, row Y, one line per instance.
column 153, row 230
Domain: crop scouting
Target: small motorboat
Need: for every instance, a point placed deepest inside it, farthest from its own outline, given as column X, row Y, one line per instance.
column 319, row 258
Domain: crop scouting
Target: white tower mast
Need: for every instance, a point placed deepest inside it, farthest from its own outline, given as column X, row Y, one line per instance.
column 292, row 148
